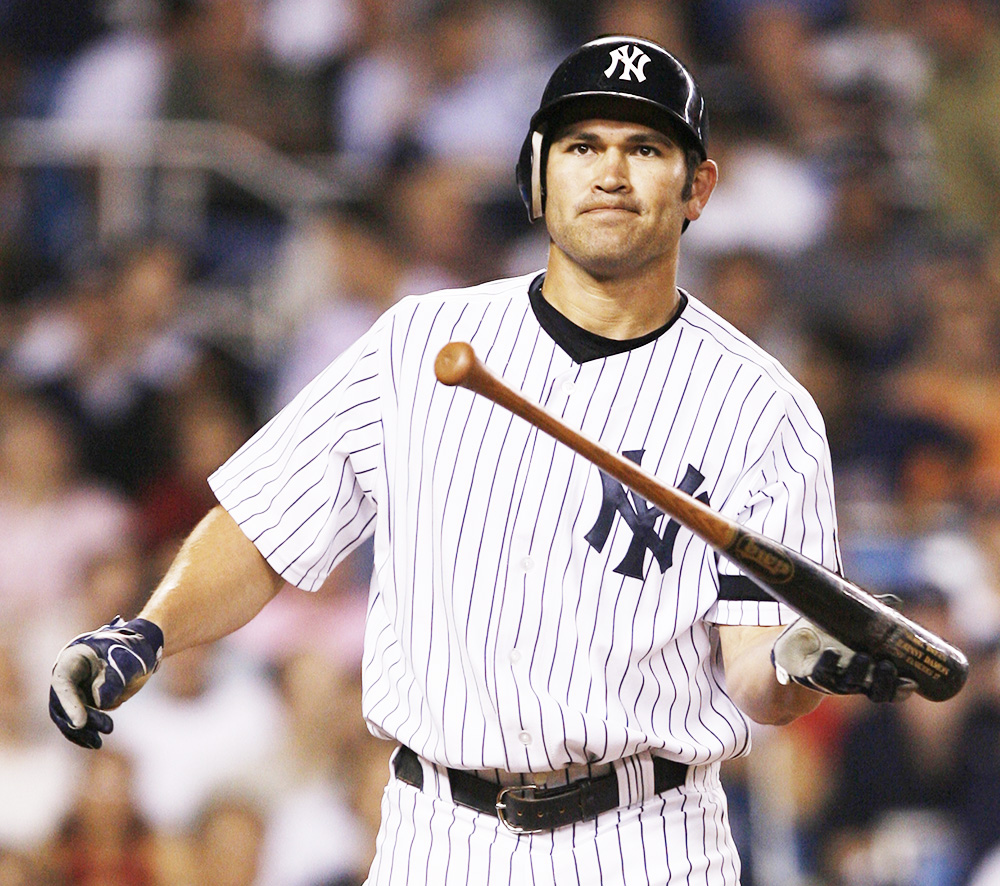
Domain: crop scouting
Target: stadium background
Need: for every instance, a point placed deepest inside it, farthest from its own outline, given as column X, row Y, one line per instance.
column 203, row 201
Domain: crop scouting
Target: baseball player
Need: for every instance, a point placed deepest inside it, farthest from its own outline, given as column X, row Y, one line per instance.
column 562, row 666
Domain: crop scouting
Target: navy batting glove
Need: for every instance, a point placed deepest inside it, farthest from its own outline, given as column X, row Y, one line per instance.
column 99, row 670
column 806, row 655
column 879, row 680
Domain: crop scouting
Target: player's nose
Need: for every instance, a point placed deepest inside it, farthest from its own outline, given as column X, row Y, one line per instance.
column 612, row 171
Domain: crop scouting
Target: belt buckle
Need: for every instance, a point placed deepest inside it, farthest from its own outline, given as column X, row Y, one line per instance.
column 501, row 807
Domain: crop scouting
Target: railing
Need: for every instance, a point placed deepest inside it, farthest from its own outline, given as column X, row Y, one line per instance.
column 158, row 171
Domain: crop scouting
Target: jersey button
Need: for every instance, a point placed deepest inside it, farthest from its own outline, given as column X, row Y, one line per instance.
column 527, row 564
column 515, row 656
column 524, row 738
column 568, row 386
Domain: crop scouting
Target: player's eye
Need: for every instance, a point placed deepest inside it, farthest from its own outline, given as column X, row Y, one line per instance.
column 648, row 151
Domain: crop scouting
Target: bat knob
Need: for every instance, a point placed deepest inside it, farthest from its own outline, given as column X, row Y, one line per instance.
column 454, row 363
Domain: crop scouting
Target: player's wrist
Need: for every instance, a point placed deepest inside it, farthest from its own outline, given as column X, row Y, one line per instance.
column 150, row 631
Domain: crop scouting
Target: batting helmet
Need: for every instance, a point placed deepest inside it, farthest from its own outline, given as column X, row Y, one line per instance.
column 606, row 75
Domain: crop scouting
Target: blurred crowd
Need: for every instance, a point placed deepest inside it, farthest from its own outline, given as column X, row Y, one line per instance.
column 855, row 234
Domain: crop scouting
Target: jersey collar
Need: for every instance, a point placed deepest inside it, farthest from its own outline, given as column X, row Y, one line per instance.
column 582, row 344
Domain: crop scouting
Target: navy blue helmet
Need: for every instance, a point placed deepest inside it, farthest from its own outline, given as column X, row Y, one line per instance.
column 611, row 77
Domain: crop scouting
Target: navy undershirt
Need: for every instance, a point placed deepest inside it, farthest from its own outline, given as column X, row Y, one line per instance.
column 582, row 344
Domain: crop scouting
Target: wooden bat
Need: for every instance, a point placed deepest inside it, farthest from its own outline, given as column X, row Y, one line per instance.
column 828, row 600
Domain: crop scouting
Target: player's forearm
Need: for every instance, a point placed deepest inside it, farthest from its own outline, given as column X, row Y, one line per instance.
column 751, row 681
column 216, row 584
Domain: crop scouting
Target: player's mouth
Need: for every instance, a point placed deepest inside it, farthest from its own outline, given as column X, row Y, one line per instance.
column 608, row 209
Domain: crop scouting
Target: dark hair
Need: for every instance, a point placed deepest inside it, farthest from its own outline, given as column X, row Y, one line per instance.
column 692, row 160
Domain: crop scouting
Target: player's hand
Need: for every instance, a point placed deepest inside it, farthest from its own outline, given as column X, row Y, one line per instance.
column 99, row 670
column 806, row 655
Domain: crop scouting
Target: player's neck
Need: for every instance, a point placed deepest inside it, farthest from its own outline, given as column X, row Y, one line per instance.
column 620, row 308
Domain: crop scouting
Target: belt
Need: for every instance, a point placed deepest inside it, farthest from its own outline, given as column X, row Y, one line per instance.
column 528, row 808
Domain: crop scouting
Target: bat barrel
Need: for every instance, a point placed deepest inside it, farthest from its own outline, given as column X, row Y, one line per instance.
column 856, row 618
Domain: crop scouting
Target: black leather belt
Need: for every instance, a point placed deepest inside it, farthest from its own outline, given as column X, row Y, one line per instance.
column 529, row 808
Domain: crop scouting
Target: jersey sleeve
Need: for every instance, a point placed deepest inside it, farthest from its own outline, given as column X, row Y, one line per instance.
column 303, row 488
column 788, row 497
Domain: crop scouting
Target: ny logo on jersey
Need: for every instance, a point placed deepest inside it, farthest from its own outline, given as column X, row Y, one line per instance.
column 631, row 64
column 640, row 518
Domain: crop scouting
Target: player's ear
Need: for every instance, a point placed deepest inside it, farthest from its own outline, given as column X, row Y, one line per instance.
column 706, row 176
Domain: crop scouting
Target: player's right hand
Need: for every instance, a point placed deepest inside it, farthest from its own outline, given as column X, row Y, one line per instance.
column 809, row 656
column 99, row 670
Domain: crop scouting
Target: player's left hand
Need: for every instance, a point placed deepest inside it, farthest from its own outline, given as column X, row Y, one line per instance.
column 97, row 671
column 806, row 655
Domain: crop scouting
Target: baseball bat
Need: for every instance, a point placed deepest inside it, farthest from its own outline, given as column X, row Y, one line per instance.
column 838, row 606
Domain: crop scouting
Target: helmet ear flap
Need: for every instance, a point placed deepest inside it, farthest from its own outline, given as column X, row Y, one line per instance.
column 530, row 174
column 537, row 200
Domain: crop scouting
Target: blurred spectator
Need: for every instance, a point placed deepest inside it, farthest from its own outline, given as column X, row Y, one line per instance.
column 23, row 268
column 105, row 840
column 220, row 72
column 119, row 76
column 774, row 41
column 743, row 288
column 338, row 274
column 457, row 83
column 719, row 27
column 53, row 518
column 874, row 72
column 41, row 39
column 370, row 103
column 768, row 199
column 65, row 54
column 26, row 869
column 206, row 430
column 953, row 375
column 662, row 23
column 110, row 352
column 208, row 722
column 329, row 622
column 310, row 36
column 922, row 528
column 227, row 841
column 313, row 833
column 438, row 227
column 36, row 775
column 854, row 284
column 916, row 797
column 988, row 871
column 779, row 791
column 861, row 311
column 962, row 109
column 115, row 581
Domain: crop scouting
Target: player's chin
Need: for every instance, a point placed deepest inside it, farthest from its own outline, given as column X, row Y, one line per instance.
column 609, row 266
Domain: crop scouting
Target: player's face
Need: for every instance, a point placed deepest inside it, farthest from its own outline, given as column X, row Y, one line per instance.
column 614, row 196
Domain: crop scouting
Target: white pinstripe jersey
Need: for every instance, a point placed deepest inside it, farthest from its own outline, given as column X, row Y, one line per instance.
column 525, row 614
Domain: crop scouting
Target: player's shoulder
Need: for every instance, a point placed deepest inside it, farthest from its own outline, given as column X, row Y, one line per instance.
column 735, row 345
column 457, row 298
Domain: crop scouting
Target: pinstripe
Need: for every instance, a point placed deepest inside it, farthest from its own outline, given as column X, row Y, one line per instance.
column 427, row 673
column 498, row 637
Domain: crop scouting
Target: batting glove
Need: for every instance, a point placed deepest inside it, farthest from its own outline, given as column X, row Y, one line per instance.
column 99, row 670
column 806, row 655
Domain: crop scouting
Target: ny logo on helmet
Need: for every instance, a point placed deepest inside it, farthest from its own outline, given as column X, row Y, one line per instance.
column 631, row 64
